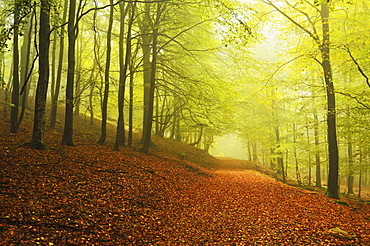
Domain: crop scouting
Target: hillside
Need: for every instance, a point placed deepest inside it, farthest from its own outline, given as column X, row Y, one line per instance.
column 91, row 195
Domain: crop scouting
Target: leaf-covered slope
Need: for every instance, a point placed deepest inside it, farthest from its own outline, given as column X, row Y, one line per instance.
column 91, row 195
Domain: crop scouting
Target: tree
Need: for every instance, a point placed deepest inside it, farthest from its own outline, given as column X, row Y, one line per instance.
column 25, row 62
column 15, row 91
column 333, row 189
column 317, row 153
column 103, row 133
column 124, row 64
column 55, row 92
column 148, row 117
column 37, row 141
column 323, row 44
column 67, row 138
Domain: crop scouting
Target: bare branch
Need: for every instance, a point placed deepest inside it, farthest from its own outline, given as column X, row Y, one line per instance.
column 358, row 65
column 311, row 34
column 353, row 97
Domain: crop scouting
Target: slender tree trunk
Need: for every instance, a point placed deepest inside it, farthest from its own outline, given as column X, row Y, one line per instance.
column 178, row 129
column 103, row 134
column 78, row 75
column 25, row 61
column 68, row 124
column 131, row 100
column 149, row 114
column 351, row 178
column 162, row 118
column 131, row 109
column 15, row 91
column 153, row 69
column 8, row 87
column 297, row 173
column 249, row 148
column 157, row 120
column 91, row 94
column 54, row 102
column 309, row 155
column 53, row 65
column 254, row 150
column 280, row 160
column 146, row 42
column 120, row 136
column 37, row 141
column 317, row 154
column 360, row 184
column 333, row 184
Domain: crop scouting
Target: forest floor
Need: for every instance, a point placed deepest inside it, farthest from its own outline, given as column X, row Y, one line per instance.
column 91, row 195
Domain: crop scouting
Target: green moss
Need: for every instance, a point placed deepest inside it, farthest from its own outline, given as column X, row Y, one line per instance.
column 341, row 202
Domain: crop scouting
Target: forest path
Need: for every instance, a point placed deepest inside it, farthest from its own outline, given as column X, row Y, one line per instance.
column 97, row 196
column 244, row 207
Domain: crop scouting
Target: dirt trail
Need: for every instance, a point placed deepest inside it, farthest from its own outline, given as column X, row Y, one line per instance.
column 97, row 196
column 238, row 207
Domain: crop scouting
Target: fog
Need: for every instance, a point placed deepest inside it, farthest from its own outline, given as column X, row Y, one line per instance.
column 229, row 145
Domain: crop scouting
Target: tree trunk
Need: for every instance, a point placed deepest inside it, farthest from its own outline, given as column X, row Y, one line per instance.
column 91, row 94
column 333, row 184
column 53, row 65
column 309, row 154
column 131, row 106
column 317, row 154
column 54, row 102
column 25, row 61
column 249, row 148
column 148, row 119
column 103, row 134
column 149, row 114
column 15, row 91
column 360, row 184
column 351, row 178
column 280, row 160
column 78, row 76
column 37, row 141
column 124, row 63
column 297, row 173
column 254, row 150
column 146, row 40
column 68, row 124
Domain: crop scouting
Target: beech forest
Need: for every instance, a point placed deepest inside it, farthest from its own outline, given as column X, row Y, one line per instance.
column 172, row 122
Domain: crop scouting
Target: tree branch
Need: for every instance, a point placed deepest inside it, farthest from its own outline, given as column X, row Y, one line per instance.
column 358, row 66
column 312, row 35
column 355, row 98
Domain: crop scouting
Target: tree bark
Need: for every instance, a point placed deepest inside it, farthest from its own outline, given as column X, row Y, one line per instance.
column 280, row 160
column 124, row 63
column 54, row 102
column 297, row 173
column 91, row 94
column 103, row 134
column 351, row 178
column 131, row 106
column 148, row 118
column 15, row 91
column 149, row 113
column 25, row 61
column 68, row 123
column 333, row 185
column 317, row 154
column 146, row 40
column 37, row 141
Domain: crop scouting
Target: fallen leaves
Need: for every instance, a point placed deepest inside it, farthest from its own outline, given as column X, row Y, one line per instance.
column 91, row 195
